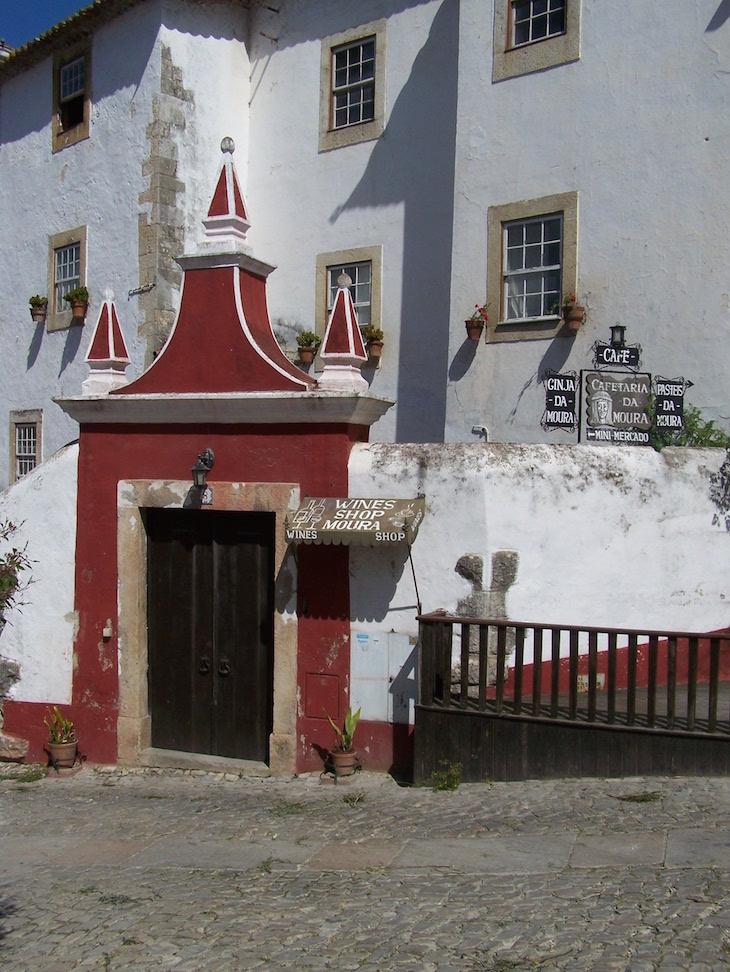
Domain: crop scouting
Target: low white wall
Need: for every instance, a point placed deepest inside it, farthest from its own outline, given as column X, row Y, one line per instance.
column 622, row 537
column 40, row 633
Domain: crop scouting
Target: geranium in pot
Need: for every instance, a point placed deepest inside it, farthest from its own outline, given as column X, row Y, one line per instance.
column 475, row 324
column 308, row 343
column 62, row 742
column 343, row 754
column 38, row 307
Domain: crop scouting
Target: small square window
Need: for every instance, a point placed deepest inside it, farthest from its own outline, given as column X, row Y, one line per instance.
column 361, row 289
column 534, row 20
column 25, row 442
column 352, row 86
column 71, row 98
column 353, row 91
column 532, row 268
column 67, row 274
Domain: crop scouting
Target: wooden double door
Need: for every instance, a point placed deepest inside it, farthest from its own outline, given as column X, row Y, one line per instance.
column 210, row 586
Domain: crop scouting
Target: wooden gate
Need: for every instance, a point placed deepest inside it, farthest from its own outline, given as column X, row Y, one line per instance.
column 210, row 631
column 515, row 700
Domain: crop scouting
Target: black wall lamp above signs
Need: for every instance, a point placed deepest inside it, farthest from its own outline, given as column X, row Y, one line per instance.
column 202, row 467
column 618, row 336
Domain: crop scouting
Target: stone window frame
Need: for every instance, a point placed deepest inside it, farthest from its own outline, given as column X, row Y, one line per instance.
column 358, row 254
column 498, row 329
column 28, row 416
column 62, row 138
column 330, row 137
column 511, row 62
column 60, row 320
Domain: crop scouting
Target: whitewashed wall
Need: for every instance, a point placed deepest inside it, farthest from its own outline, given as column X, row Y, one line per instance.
column 638, row 126
column 39, row 634
column 604, row 536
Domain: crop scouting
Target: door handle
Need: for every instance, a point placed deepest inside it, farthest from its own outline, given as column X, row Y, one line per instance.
column 224, row 668
column 204, row 666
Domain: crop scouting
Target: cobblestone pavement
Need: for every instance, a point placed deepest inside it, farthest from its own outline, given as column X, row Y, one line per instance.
column 162, row 870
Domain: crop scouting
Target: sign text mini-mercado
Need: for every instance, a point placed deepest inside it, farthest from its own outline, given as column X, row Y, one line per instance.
column 669, row 402
column 617, row 407
column 560, row 401
column 372, row 522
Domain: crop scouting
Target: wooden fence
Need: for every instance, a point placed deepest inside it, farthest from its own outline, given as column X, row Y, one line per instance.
column 515, row 700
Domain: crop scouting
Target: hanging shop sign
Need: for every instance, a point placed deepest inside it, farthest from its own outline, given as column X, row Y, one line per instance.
column 617, row 407
column 669, row 402
column 370, row 522
column 561, row 391
column 611, row 356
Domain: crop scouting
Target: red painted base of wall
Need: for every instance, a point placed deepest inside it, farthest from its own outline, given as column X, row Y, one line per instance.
column 380, row 746
column 622, row 667
column 96, row 730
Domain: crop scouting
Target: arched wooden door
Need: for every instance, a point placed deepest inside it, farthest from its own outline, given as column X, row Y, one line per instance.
column 210, row 631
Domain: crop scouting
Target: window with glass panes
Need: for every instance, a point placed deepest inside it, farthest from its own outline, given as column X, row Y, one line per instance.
column 361, row 289
column 534, row 20
column 532, row 267
column 72, row 83
column 67, row 272
column 25, row 448
column 353, row 83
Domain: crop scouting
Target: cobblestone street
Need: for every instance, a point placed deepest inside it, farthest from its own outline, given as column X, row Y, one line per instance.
column 189, row 871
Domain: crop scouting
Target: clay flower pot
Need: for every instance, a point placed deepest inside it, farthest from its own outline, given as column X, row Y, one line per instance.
column 474, row 329
column 78, row 310
column 306, row 354
column 38, row 314
column 574, row 315
column 63, row 755
column 344, row 761
column 375, row 349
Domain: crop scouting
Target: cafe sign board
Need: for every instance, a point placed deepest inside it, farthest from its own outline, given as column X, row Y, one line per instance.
column 617, row 407
column 368, row 522
column 669, row 402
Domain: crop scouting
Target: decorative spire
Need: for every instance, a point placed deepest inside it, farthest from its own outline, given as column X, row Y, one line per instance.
column 343, row 350
column 227, row 219
column 107, row 356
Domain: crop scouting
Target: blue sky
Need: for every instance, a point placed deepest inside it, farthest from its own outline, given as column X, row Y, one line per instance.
column 22, row 20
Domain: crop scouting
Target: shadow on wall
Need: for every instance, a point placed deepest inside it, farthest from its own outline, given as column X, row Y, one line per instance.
column 377, row 571
column 421, row 131
column 719, row 17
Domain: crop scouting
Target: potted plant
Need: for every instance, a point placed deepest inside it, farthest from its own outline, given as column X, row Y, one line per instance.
column 308, row 343
column 475, row 324
column 373, row 338
column 343, row 755
column 62, row 742
column 574, row 314
column 38, row 307
column 78, row 298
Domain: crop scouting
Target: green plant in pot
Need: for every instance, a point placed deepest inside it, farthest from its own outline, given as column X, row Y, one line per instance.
column 62, row 742
column 38, row 307
column 308, row 343
column 78, row 298
column 373, row 338
column 344, row 757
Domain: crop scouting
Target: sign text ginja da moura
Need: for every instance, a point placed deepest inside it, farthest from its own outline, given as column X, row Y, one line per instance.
column 355, row 520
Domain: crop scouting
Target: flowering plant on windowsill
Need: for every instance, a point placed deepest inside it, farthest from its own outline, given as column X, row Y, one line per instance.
column 569, row 300
column 480, row 314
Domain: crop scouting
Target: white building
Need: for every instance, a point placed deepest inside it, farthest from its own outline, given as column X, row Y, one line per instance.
column 465, row 121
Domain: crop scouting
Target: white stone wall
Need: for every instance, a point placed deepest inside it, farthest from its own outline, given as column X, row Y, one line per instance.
column 39, row 633
column 619, row 537
column 638, row 126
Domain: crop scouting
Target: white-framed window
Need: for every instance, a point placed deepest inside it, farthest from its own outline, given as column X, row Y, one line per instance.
column 25, row 442
column 352, row 86
column 66, row 271
column 534, row 35
column 353, row 83
column 67, row 274
column 361, row 275
column 535, row 20
column 71, row 95
column 532, row 262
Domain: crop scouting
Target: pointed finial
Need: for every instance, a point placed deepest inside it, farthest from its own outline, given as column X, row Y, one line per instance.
column 108, row 294
column 228, row 145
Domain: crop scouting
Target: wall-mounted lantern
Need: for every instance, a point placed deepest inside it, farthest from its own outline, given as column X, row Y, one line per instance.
column 618, row 336
column 201, row 469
